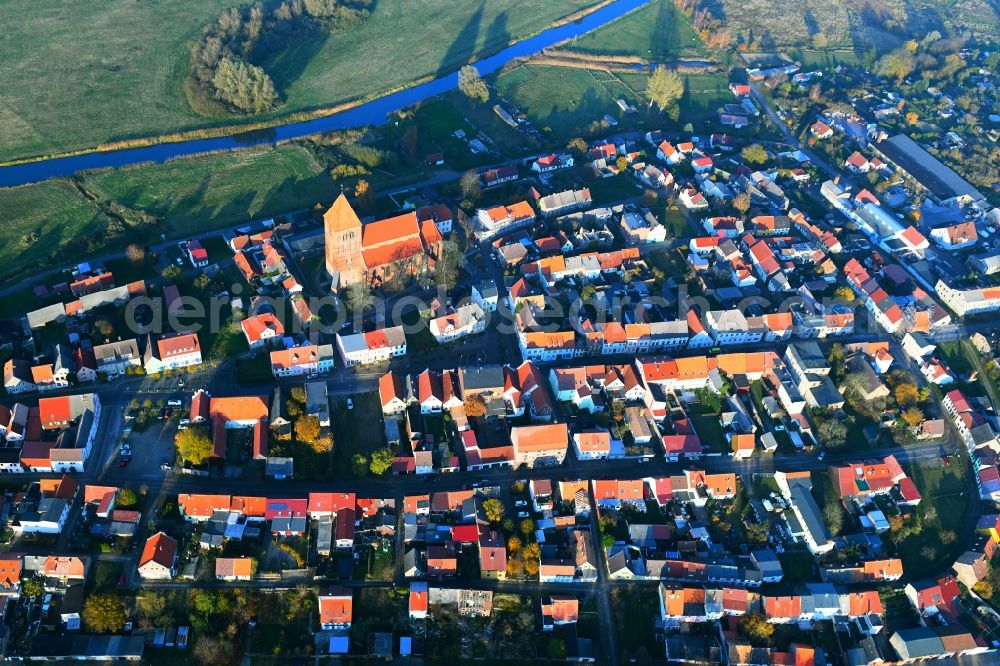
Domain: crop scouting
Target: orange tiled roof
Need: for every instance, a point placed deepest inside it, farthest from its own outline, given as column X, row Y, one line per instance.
column 159, row 548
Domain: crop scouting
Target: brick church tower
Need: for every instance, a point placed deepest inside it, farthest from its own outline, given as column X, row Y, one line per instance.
column 342, row 232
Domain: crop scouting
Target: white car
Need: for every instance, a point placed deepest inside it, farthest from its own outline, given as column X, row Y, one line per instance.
column 522, row 514
column 350, row 403
column 174, row 403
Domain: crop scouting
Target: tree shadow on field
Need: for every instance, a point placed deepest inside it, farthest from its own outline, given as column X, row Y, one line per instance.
column 497, row 35
column 461, row 50
column 287, row 65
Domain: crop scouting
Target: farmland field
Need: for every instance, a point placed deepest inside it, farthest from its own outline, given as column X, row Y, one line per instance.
column 74, row 75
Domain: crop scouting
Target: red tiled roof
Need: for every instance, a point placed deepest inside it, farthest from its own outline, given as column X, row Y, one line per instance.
column 159, row 548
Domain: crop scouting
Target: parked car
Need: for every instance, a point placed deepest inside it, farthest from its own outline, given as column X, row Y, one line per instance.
column 174, row 403
column 350, row 403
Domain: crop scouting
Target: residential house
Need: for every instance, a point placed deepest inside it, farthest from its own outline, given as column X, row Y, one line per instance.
column 158, row 557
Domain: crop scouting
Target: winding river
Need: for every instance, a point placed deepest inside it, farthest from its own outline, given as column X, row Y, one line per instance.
column 373, row 112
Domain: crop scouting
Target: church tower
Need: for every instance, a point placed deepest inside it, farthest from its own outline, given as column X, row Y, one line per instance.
column 342, row 232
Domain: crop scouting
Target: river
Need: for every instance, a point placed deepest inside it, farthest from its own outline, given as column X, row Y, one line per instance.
column 369, row 113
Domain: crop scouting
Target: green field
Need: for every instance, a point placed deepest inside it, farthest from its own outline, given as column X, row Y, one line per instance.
column 945, row 500
column 563, row 99
column 76, row 74
column 211, row 190
column 41, row 220
column 53, row 224
column 703, row 93
column 655, row 33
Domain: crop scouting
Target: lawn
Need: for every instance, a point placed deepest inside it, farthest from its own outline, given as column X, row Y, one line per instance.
column 356, row 431
column 197, row 193
column 675, row 222
column 710, row 431
column 62, row 92
column 657, row 32
column 703, row 93
column 562, row 100
column 614, row 189
column 945, row 500
column 256, row 370
column 634, row 609
column 40, row 222
column 104, row 576
column 798, row 566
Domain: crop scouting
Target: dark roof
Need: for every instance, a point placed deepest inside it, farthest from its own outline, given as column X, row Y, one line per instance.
column 938, row 179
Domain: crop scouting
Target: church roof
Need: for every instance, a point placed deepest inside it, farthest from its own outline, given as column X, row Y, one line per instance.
column 340, row 216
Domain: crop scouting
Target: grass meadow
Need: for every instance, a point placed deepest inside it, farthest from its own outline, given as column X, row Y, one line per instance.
column 75, row 75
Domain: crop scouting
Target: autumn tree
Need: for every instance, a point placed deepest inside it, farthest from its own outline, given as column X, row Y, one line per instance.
column 664, row 87
column 104, row 613
column 194, row 445
column 494, row 510
column 359, row 464
column 514, row 543
column 912, row 118
column 358, row 296
column 984, row 588
column 741, row 202
column 897, row 64
column 31, row 587
column 832, row 433
column 844, row 294
column 527, row 526
column 246, row 87
column 755, row 626
column 212, row 650
column 515, row 567
column 756, row 533
column 172, row 273
column 322, row 444
column 104, row 327
column 126, row 498
column 306, row 428
column 913, row 416
column 754, row 154
column 363, row 195
column 578, row 146
column 152, row 608
column 136, row 254
column 471, row 188
column 381, row 461
column 474, row 405
column 833, row 515
column 906, row 395
column 446, row 268
column 472, row 85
